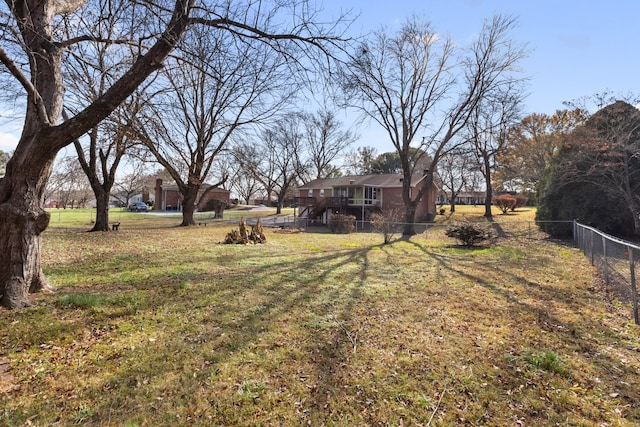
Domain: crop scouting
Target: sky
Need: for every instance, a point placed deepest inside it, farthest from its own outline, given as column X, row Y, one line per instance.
column 577, row 48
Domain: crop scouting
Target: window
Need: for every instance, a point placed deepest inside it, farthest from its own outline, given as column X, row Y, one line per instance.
column 322, row 192
column 310, row 193
column 371, row 195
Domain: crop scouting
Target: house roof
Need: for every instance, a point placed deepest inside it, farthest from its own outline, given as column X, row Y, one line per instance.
column 173, row 187
column 393, row 180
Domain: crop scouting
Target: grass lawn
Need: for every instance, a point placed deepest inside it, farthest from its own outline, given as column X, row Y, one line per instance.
column 157, row 325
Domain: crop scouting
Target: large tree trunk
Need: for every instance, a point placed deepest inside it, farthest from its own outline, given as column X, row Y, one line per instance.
column 634, row 207
column 22, row 221
column 102, row 210
column 22, row 214
column 22, row 217
column 409, row 220
column 189, row 206
column 487, row 177
column 20, row 242
column 488, row 203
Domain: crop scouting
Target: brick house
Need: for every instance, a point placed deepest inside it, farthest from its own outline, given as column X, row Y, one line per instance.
column 360, row 195
column 168, row 197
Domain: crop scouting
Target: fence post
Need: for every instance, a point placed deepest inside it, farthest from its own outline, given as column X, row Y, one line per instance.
column 604, row 259
column 591, row 233
column 634, row 294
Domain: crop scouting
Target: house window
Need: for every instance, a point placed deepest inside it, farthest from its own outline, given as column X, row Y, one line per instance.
column 322, row 192
column 371, row 195
column 310, row 193
column 344, row 191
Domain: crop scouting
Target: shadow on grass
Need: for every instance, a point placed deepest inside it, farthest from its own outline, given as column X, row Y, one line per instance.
column 530, row 303
column 235, row 330
column 199, row 319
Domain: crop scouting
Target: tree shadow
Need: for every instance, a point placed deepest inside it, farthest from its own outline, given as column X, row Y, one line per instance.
column 238, row 316
column 541, row 302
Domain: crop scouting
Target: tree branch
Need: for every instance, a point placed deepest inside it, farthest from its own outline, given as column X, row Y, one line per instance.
column 26, row 84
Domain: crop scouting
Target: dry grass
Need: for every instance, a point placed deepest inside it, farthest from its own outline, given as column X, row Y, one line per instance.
column 158, row 325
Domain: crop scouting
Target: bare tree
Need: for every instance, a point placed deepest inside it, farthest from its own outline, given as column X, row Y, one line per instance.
column 68, row 184
column 33, row 53
column 214, row 96
column 387, row 222
column 454, row 174
column 277, row 160
column 251, row 161
column 326, row 141
column 488, row 131
column 413, row 87
column 92, row 68
column 131, row 183
column 360, row 161
column 245, row 186
column 241, row 180
column 101, row 152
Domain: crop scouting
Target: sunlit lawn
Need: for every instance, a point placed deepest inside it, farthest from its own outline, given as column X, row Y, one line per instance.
column 84, row 218
column 162, row 325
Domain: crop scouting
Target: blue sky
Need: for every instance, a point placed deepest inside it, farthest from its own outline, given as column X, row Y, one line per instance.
column 578, row 48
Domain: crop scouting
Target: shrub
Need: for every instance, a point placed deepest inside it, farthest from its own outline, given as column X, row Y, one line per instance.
column 468, row 234
column 342, row 224
column 520, row 201
column 215, row 205
column 386, row 222
column 547, row 360
column 505, row 202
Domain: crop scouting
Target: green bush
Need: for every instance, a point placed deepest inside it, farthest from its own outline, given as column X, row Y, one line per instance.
column 584, row 202
column 547, row 360
column 469, row 234
column 583, row 180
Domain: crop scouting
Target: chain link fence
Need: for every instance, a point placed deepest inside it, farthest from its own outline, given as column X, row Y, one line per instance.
column 522, row 229
column 614, row 258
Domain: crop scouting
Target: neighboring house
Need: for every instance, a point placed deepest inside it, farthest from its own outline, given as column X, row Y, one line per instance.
column 168, row 197
column 360, row 195
column 464, row 198
column 117, row 200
